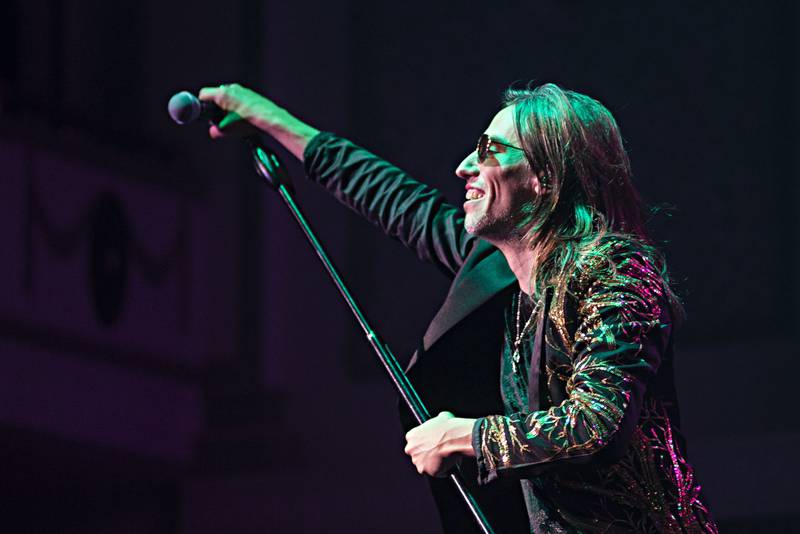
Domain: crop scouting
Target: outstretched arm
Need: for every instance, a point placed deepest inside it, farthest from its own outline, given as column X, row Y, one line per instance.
column 413, row 213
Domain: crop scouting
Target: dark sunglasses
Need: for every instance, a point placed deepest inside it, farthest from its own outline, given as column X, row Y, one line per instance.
column 484, row 142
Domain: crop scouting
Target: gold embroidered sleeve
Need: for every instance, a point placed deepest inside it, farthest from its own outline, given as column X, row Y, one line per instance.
column 621, row 332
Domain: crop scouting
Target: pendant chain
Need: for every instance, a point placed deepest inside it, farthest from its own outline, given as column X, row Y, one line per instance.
column 520, row 334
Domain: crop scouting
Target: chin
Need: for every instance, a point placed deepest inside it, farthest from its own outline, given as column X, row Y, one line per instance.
column 489, row 228
column 472, row 225
column 476, row 227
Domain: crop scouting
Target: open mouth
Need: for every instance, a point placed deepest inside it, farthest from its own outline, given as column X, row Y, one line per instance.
column 474, row 194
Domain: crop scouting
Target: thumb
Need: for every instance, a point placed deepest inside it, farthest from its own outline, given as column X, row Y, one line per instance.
column 228, row 119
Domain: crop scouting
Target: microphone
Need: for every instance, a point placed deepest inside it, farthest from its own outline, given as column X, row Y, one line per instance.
column 184, row 108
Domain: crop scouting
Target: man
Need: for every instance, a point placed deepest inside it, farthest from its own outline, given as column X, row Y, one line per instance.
column 553, row 270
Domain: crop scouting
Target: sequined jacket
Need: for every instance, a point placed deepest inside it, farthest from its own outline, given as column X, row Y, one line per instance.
column 599, row 441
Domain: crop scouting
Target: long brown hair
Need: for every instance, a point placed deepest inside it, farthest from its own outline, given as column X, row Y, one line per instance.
column 573, row 143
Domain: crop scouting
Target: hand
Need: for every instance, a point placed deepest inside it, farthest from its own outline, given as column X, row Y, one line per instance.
column 437, row 444
column 248, row 110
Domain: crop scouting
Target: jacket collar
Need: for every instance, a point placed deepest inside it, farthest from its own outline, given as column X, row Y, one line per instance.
column 484, row 274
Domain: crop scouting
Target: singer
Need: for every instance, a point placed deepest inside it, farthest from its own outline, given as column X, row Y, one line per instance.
column 557, row 288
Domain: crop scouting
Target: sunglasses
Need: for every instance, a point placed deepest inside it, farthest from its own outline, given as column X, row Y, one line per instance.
column 484, row 142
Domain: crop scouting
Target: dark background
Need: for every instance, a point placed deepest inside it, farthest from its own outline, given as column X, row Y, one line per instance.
column 172, row 357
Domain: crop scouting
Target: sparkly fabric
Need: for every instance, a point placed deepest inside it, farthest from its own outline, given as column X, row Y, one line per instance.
column 514, row 391
column 601, row 453
column 597, row 445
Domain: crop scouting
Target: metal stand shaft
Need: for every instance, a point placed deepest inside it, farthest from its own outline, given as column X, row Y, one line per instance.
column 269, row 167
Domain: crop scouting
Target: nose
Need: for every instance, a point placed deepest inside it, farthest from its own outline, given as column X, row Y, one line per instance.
column 468, row 167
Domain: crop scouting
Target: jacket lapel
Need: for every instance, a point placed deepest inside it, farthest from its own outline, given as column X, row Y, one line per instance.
column 484, row 274
column 537, row 380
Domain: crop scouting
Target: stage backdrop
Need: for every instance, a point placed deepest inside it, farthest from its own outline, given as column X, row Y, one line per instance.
column 173, row 358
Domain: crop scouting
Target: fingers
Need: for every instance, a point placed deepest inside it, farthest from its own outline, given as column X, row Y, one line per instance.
column 426, row 445
column 428, row 464
column 229, row 119
column 226, row 96
column 418, row 460
column 215, row 132
column 231, row 125
column 409, row 448
column 420, row 455
column 208, row 93
column 214, row 93
column 232, row 98
column 211, row 94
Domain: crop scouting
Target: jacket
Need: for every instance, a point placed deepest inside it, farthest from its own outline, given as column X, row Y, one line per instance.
column 599, row 445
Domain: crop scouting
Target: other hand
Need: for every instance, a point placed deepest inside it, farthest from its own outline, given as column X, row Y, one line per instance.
column 437, row 444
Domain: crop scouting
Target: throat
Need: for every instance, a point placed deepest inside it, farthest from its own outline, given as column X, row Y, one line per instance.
column 520, row 259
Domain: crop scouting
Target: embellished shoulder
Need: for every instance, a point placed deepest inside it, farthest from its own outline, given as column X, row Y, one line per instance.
column 615, row 256
column 616, row 274
column 620, row 290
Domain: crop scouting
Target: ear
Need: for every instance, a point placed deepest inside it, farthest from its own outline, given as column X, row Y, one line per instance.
column 539, row 183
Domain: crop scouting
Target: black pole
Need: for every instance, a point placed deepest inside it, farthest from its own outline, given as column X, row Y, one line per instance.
column 269, row 167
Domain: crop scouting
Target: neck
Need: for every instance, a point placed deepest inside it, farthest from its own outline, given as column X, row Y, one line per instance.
column 520, row 260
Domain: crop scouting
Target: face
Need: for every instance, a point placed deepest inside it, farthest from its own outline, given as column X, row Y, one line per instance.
column 501, row 189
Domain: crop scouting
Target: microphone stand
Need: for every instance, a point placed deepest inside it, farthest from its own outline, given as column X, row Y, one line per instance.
column 270, row 168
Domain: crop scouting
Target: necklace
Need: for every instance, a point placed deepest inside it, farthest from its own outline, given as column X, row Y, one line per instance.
column 519, row 334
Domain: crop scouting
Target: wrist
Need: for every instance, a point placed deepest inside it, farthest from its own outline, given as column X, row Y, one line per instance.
column 288, row 130
column 269, row 118
column 459, row 437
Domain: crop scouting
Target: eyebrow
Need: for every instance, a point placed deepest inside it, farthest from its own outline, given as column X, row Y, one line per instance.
column 499, row 139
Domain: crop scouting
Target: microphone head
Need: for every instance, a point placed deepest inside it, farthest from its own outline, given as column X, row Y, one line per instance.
column 184, row 107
